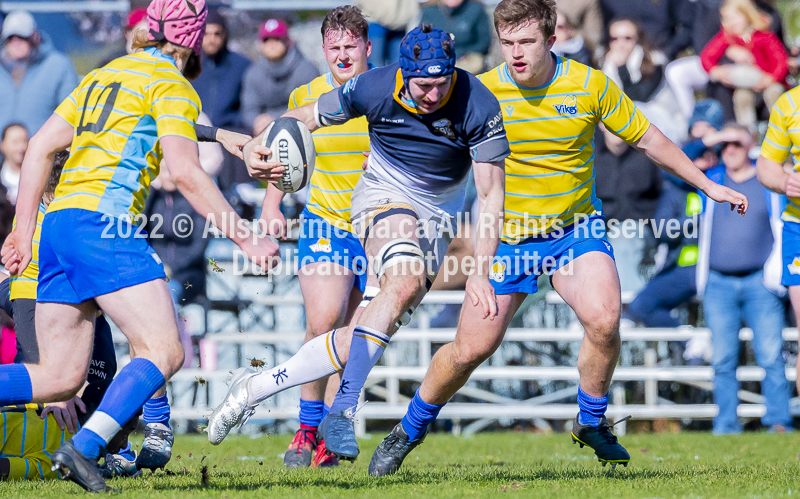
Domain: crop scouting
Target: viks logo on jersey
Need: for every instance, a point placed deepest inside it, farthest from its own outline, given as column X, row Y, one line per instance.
column 794, row 267
column 321, row 246
column 568, row 107
column 498, row 272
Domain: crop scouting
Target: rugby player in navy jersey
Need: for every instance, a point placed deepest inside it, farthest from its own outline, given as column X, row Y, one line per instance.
column 429, row 123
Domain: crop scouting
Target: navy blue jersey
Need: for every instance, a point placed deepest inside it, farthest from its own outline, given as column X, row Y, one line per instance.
column 430, row 150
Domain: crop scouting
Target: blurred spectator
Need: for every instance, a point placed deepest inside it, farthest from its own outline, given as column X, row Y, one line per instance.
column 631, row 62
column 686, row 75
column 6, row 219
column 707, row 20
column 674, row 282
column 13, row 144
column 220, row 84
column 269, row 81
column 137, row 19
column 666, row 22
column 469, row 24
column 389, row 20
column 734, row 253
column 758, row 59
column 34, row 78
column 587, row 17
column 569, row 43
column 628, row 184
column 638, row 70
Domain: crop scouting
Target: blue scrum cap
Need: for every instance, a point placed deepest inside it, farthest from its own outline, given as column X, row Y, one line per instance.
column 422, row 53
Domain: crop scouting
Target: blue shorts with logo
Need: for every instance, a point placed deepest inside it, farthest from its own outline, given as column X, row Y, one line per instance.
column 516, row 267
column 790, row 247
column 84, row 254
column 320, row 241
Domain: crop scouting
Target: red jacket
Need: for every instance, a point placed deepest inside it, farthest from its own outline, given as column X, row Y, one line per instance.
column 767, row 49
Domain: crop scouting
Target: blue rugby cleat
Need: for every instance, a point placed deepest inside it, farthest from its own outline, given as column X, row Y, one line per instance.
column 339, row 435
column 602, row 441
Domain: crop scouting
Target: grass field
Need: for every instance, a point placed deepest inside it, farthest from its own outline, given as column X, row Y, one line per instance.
column 692, row 465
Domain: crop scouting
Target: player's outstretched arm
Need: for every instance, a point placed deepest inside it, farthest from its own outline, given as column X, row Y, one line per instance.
column 271, row 214
column 233, row 142
column 307, row 114
column 256, row 156
column 55, row 135
column 772, row 176
column 181, row 157
column 490, row 184
column 670, row 158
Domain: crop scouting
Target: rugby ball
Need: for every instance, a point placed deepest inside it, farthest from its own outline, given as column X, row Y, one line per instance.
column 291, row 144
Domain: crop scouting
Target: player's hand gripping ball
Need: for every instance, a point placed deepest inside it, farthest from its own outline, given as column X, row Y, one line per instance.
column 292, row 146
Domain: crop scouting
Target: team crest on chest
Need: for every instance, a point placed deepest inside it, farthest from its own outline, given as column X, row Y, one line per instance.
column 445, row 128
column 569, row 107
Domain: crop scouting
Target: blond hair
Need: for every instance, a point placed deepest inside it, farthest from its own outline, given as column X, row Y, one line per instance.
column 192, row 66
column 755, row 17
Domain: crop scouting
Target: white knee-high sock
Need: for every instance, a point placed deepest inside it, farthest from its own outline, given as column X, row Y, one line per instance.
column 366, row 348
column 315, row 359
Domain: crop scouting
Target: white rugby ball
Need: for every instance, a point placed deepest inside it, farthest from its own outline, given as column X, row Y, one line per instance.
column 291, row 144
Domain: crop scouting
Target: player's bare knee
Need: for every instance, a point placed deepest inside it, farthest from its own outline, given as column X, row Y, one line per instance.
column 467, row 358
column 601, row 317
column 175, row 359
column 603, row 329
column 406, row 290
column 167, row 357
column 400, row 266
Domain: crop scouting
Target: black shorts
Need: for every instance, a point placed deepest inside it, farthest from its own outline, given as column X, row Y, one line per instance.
column 25, row 327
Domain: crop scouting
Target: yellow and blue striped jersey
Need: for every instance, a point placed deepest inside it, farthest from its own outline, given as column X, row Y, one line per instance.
column 783, row 139
column 119, row 112
column 550, row 173
column 24, row 285
column 28, row 442
column 339, row 158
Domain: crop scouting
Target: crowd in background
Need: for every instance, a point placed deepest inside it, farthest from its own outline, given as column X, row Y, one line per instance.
column 706, row 72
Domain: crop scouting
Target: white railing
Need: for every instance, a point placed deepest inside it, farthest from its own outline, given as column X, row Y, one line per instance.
column 493, row 406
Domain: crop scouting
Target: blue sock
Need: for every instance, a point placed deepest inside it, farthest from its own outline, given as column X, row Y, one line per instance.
column 311, row 412
column 16, row 383
column 127, row 453
column 592, row 409
column 156, row 410
column 325, row 410
column 420, row 414
column 131, row 388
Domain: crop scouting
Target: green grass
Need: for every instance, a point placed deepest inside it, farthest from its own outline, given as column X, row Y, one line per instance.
column 695, row 465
